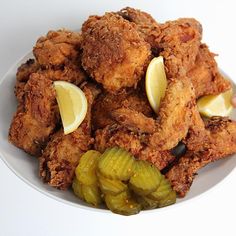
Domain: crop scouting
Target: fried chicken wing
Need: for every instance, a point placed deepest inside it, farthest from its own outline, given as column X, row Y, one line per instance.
column 137, row 144
column 205, row 75
column 221, row 143
column 37, row 116
column 106, row 103
column 147, row 27
column 179, row 43
column 62, row 153
column 114, row 54
column 57, row 47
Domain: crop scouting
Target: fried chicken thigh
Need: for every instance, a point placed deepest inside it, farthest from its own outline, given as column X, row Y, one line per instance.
column 37, row 116
column 114, row 54
column 62, row 153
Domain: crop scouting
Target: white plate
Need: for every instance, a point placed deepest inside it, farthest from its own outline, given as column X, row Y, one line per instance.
column 26, row 167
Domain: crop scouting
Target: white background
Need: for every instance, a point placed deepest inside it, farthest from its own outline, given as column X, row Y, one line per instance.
column 24, row 211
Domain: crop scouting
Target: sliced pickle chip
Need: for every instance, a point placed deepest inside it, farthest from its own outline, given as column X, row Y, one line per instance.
column 146, row 178
column 92, row 194
column 162, row 191
column 86, row 170
column 168, row 200
column 110, row 186
column 77, row 188
column 146, row 202
column 116, row 163
column 122, row 204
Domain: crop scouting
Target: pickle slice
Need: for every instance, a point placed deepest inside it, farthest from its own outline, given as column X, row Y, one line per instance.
column 116, row 163
column 168, row 200
column 77, row 188
column 110, row 186
column 162, row 191
column 122, row 204
column 146, row 178
column 146, row 202
column 86, row 170
column 92, row 194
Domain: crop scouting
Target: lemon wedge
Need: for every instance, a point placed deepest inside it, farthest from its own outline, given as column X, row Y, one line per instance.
column 72, row 105
column 216, row 105
column 156, row 82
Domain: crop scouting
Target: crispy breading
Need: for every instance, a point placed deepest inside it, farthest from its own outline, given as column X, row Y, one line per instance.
column 113, row 52
column 174, row 114
column 147, row 27
column 37, row 116
column 62, row 153
column 134, row 120
column 106, row 103
column 179, row 43
column 205, row 75
column 116, row 135
column 57, row 47
column 221, row 143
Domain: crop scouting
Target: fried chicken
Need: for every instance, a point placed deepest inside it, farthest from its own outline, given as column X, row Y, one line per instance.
column 221, row 142
column 106, row 103
column 57, row 47
column 179, row 43
column 62, row 153
column 36, row 117
column 147, row 27
column 137, row 144
column 114, row 54
column 205, row 75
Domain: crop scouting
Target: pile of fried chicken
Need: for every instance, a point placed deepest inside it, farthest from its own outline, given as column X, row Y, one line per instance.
column 108, row 60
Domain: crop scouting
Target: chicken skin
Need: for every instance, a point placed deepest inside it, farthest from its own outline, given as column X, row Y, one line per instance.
column 114, row 54
column 62, row 153
column 37, row 116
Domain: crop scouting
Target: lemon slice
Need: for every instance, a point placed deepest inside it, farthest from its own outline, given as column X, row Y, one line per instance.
column 216, row 105
column 72, row 105
column 156, row 82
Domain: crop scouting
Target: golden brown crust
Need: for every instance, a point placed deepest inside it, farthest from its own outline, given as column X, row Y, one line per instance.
column 179, row 43
column 147, row 27
column 221, row 142
column 106, row 103
column 57, row 47
column 36, row 117
column 113, row 52
column 205, row 75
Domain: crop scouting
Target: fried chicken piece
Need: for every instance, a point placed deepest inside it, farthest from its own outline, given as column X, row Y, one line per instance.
column 221, row 143
column 205, row 75
column 179, row 43
column 57, row 47
column 106, row 103
column 36, row 117
column 174, row 114
column 133, row 120
column 147, row 27
column 62, row 153
column 116, row 135
column 114, row 54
